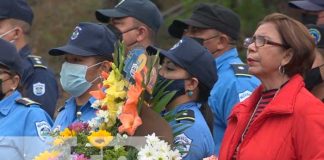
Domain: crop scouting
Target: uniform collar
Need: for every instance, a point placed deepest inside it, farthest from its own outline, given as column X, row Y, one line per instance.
column 70, row 103
column 25, row 51
column 186, row 106
column 7, row 103
column 282, row 103
column 232, row 53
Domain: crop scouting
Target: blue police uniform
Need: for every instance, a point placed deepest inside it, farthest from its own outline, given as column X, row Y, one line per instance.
column 67, row 114
column 196, row 140
column 234, row 85
column 39, row 83
column 23, row 127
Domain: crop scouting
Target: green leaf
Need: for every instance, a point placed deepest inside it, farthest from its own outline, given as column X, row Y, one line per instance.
column 161, row 104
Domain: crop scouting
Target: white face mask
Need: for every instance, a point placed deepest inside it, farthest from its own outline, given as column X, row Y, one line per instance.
column 4, row 34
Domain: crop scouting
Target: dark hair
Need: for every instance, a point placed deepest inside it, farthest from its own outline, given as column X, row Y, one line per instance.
column 12, row 74
column 205, row 110
column 296, row 36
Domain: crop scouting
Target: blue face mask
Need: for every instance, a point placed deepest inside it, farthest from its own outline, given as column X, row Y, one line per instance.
column 175, row 85
column 73, row 78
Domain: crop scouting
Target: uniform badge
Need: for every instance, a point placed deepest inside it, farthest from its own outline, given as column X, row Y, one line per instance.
column 182, row 143
column 38, row 89
column 43, row 129
column 316, row 34
column 244, row 95
column 76, row 32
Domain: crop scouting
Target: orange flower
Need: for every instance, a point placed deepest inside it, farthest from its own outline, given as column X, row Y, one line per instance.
column 98, row 94
column 129, row 116
column 104, row 75
column 130, row 122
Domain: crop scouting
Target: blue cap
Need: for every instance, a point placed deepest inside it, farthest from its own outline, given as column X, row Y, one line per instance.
column 9, row 57
column 89, row 39
column 143, row 10
column 194, row 58
column 308, row 5
column 16, row 9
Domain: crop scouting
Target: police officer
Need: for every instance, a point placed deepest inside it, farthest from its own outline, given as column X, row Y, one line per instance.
column 23, row 124
column 190, row 66
column 87, row 53
column 312, row 10
column 138, row 20
column 38, row 81
column 314, row 78
column 219, row 29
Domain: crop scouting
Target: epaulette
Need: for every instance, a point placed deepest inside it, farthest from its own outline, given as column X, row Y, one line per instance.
column 241, row 70
column 26, row 101
column 60, row 109
column 37, row 61
column 186, row 115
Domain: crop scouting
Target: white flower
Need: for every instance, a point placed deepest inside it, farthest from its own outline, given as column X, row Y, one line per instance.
column 103, row 115
column 94, row 123
column 145, row 153
column 174, row 155
column 96, row 104
column 156, row 149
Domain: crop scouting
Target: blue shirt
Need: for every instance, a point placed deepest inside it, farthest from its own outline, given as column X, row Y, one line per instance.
column 21, row 127
column 67, row 114
column 228, row 91
column 39, row 83
column 197, row 139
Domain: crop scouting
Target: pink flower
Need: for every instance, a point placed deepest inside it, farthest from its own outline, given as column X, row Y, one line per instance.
column 79, row 127
column 79, row 157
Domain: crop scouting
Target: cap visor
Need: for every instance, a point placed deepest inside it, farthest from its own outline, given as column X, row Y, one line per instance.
column 103, row 15
column 305, row 5
column 69, row 49
column 177, row 27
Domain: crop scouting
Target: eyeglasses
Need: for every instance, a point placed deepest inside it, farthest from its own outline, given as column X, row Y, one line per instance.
column 197, row 30
column 260, row 41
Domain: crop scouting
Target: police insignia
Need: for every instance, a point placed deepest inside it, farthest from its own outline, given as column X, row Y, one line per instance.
column 316, row 34
column 43, row 129
column 182, row 143
column 38, row 89
column 76, row 33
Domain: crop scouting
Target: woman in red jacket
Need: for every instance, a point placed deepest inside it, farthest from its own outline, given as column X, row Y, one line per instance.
column 281, row 120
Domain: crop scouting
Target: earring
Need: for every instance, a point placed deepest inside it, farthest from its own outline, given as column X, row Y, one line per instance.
column 282, row 69
column 190, row 93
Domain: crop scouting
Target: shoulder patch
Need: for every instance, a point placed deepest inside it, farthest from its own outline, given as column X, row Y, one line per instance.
column 37, row 61
column 43, row 129
column 186, row 115
column 183, row 144
column 241, row 70
column 39, row 89
column 26, row 101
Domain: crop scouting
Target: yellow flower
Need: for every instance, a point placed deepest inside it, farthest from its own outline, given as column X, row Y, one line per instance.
column 58, row 141
column 100, row 138
column 67, row 133
column 47, row 155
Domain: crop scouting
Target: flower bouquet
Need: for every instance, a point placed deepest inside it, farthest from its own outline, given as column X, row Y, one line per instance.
column 126, row 112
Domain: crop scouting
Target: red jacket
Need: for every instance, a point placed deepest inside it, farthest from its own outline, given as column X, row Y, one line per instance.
column 290, row 127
